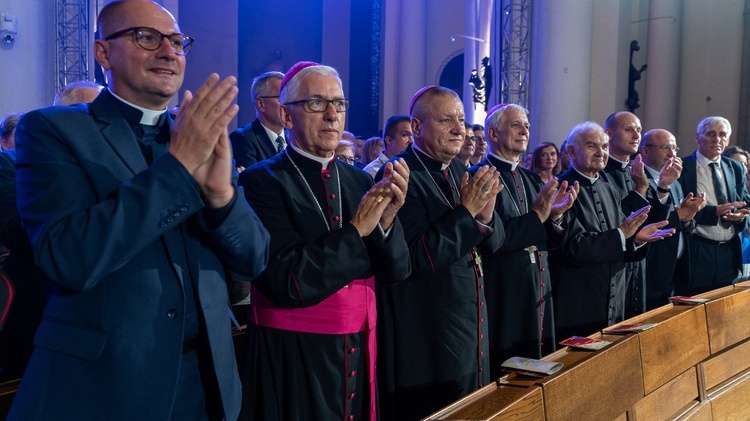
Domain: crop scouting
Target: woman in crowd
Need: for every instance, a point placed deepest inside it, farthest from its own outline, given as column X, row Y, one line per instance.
column 371, row 149
column 545, row 161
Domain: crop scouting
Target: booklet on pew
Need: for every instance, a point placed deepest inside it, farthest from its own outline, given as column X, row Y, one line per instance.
column 585, row 343
column 530, row 367
column 680, row 299
column 628, row 328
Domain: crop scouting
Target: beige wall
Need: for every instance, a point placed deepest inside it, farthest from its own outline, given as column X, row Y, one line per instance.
column 705, row 56
column 27, row 67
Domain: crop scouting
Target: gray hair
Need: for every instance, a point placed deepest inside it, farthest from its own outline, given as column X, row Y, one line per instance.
column 290, row 91
column 581, row 129
column 68, row 95
column 497, row 119
column 703, row 125
column 260, row 83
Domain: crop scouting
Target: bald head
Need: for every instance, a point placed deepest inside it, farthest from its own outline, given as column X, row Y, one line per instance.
column 112, row 17
column 624, row 130
column 657, row 147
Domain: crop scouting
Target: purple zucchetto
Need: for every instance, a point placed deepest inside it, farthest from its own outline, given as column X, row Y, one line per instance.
column 292, row 72
column 419, row 94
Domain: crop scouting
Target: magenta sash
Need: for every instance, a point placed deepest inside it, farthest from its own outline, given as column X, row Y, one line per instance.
column 351, row 309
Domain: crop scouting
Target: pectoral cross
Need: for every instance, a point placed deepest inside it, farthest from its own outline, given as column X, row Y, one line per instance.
column 478, row 262
column 532, row 253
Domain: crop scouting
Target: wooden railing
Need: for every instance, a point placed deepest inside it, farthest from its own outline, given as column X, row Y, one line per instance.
column 693, row 365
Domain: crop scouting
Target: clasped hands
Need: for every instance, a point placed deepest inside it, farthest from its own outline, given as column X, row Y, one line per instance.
column 478, row 194
column 200, row 138
column 381, row 203
column 554, row 199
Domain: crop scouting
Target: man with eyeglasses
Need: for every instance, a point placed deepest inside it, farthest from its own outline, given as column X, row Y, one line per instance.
column 136, row 220
column 264, row 137
column 667, row 260
column 480, row 144
column 312, row 350
column 588, row 270
column 467, row 149
column 715, row 247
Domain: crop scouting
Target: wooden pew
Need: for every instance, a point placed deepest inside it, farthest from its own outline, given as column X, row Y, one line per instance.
column 694, row 365
column 7, row 393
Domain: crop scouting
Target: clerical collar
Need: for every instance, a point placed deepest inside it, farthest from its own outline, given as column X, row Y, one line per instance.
column 513, row 164
column 324, row 162
column 622, row 164
column 705, row 161
column 443, row 166
column 148, row 117
column 592, row 180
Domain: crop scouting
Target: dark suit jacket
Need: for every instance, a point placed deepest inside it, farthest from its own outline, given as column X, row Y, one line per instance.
column 119, row 238
column 251, row 144
column 662, row 264
column 734, row 177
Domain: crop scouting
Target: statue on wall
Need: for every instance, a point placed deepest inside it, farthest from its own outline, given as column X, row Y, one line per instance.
column 481, row 86
column 633, row 75
column 477, row 88
column 487, row 76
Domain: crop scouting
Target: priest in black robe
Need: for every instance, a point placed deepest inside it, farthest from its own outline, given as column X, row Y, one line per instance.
column 589, row 269
column 433, row 327
column 518, row 287
column 311, row 347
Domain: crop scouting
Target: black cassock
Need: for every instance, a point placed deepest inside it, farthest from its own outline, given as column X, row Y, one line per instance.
column 618, row 175
column 311, row 376
column 588, row 271
column 518, row 287
column 433, row 346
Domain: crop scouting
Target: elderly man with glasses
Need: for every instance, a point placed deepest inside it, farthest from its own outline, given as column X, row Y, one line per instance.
column 667, row 260
column 715, row 247
column 136, row 220
column 333, row 234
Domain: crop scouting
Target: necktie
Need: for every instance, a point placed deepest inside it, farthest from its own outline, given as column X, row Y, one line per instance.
column 721, row 195
column 279, row 144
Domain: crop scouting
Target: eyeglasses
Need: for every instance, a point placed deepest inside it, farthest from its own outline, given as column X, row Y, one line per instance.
column 320, row 105
column 347, row 159
column 151, row 39
column 476, row 138
column 665, row 148
column 268, row 96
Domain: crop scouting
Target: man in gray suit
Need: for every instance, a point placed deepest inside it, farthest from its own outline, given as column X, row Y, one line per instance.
column 137, row 222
